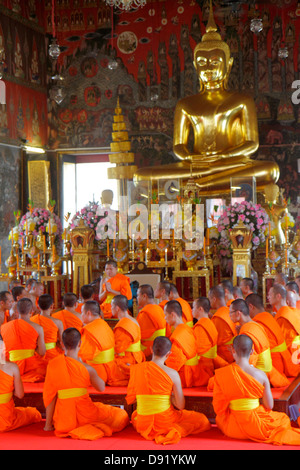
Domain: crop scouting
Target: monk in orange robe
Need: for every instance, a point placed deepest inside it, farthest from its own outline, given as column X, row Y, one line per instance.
column 187, row 315
column 53, row 328
column 6, row 303
column 86, row 293
column 127, row 333
column 247, row 286
column 151, row 318
column 112, row 283
column 221, row 319
column 157, row 389
column 206, row 340
column 69, row 316
column 281, row 357
column 69, row 408
column 98, row 345
column 228, row 291
column 238, row 389
column 183, row 357
column 162, row 293
column 25, row 344
column 261, row 357
column 287, row 319
column 12, row 417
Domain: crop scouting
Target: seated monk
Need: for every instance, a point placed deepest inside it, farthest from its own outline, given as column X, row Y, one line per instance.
column 228, row 291
column 261, row 357
column 98, row 345
column 221, row 319
column 151, row 318
column 69, row 316
column 18, row 292
column 187, row 315
column 36, row 289
column 11, row 384
column 157, row 389
column 25, row 344
column 184, row 357
column 53, row 328
column 206, row 340
column 238, row 390
column 6, row 303
column 216, row 130
column 162, row 293
column 127, row 333
column 281, row 357
column 288, row 319
column 70, row 412
column 112, row 283
column 86, row 293
column 247, row 286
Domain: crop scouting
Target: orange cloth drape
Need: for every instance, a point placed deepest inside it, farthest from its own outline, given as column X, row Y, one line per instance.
column 79, row 417
column 282, row 360
column 226, row 332
column 20, row 335
column 119, row 283
column 184, row 349
column 207, row 338
column 187, row 315
column 151, row 318
column 261, row 344
column 96, row 337
column 50, row 335
column 12, row 417
column 127, row 332
column 259, row 424
column 69, row 319
column 169, row 426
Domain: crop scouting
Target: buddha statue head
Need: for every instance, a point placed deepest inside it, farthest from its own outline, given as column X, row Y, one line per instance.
column 212, row 57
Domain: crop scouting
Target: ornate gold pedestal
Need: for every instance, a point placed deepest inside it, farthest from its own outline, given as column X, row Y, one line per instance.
column 241, row 237
column 82, row 239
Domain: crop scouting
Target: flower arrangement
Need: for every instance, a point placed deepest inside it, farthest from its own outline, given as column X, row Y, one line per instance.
column 89, row 214
column 39, row 220
column 254, row 216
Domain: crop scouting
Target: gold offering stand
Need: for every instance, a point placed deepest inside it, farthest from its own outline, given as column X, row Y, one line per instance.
column 241, row 237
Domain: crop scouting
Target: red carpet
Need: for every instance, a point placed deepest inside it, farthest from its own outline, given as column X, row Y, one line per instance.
column 34, row 438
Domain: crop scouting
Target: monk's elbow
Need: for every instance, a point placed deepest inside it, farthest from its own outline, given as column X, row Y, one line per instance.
column 19, row 395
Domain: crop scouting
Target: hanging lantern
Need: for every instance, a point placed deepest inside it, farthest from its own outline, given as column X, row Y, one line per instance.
column 54, row 49
column 283, row 52
column 256, row 25
column 126, row 4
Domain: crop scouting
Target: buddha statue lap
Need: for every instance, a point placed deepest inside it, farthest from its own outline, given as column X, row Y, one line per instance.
column 224, row 127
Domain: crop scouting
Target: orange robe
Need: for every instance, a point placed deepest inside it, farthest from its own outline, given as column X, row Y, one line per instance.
column 289, row 322
column 206, row 340
column 187, row 316
column 76, row 415
column 69, row 319
column 98, row 349
column 257, row 424
column 12, row 417
column 20, row 340
column 159, row 420
column 184, row 357
column 127, row 346
column 226, row 332
column 50, row 335
column 261, row 357
column 153, row 323
column 281, row 357
column 119, row 283
column 79, row 307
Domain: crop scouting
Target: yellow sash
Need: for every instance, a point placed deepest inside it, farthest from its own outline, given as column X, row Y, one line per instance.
column 244, row 404
column 50, row 346
column 20, row 354
column 211, row 353
column 190, row 323
column 161, row 332
column 296, row 342
column 192, row 362
column 5, row 398
column 71, row 393
column 135, row 347
column 264, row 361
column 109, row 298
column 152, row 404
column 280, row 348
column 104, row 356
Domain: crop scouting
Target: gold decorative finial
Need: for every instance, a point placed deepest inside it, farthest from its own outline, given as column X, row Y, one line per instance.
column 211, row 27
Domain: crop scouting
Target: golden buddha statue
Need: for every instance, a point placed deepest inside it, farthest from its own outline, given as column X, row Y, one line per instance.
column 222, row 125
